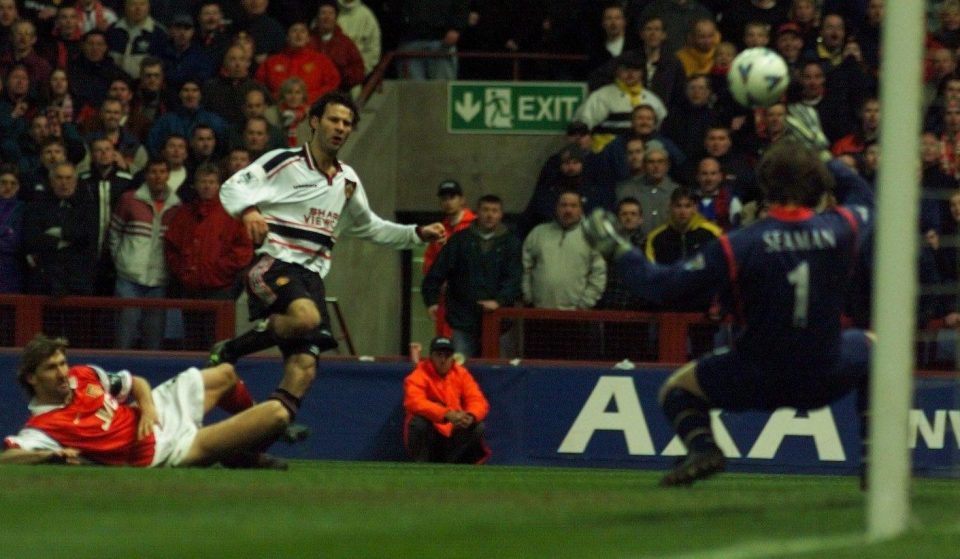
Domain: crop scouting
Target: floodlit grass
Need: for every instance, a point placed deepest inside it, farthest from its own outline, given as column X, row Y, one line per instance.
column 360, row 510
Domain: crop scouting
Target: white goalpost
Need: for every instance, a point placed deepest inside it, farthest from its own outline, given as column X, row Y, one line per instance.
column 895, row 269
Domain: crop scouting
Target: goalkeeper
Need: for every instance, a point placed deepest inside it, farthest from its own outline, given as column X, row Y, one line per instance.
column 785, row 277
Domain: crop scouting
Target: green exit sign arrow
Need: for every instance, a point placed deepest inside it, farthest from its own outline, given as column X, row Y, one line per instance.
column 511, row 107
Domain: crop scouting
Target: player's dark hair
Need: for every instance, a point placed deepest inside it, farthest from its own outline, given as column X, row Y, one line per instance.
column 335, row 98
column 37, row 350
column 791, row 173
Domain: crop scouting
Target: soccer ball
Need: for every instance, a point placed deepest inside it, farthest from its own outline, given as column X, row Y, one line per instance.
column 758, row 77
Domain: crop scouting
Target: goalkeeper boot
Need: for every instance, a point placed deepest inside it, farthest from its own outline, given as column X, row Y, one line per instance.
column 697, row 465
column 600, row 232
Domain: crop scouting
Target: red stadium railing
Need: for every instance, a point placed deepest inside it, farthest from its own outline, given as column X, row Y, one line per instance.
column 90, row 321
column 668, row 337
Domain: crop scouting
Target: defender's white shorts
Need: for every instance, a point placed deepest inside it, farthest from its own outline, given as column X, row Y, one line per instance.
column 179, row 403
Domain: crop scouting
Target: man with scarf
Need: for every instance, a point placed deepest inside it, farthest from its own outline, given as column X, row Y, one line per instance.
column 607, row 110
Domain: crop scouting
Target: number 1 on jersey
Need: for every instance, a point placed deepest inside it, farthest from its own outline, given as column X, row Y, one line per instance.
column 799, row 278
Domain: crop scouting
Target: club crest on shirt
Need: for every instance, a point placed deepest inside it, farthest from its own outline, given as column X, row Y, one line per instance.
column 282, row 280
column 349, row 187
column 94, row 391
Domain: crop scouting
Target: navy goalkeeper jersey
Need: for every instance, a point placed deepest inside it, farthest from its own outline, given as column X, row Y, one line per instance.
column 785, row 277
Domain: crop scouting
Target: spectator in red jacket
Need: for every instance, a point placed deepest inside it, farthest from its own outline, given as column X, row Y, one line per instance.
column 456, row 217
column 329, row 39
column 299, row 59
column 206, row 248
column 445, row 410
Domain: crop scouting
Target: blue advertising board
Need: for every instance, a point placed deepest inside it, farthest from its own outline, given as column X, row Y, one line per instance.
column 560, row 416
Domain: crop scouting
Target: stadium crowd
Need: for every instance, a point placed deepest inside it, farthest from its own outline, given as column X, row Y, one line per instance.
column 121, row 118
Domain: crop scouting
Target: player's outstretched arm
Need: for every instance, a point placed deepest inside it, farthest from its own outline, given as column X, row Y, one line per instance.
column 699, row 275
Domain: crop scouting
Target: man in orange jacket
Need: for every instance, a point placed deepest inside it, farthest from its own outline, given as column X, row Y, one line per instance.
column 445, row 410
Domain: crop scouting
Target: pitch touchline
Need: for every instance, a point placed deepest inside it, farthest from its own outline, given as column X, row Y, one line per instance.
column 780, row 548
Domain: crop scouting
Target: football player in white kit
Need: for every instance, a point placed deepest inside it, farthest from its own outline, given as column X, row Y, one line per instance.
column 295, row 203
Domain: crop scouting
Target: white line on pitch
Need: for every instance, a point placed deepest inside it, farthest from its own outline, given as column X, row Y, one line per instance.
column 774, row 548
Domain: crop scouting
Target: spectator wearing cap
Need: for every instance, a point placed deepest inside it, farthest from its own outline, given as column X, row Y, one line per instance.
column 606, row 111
column 329, row 39
column 456, row 217
column 184, row 59
column 541, row 208
column 789, row 43
column 301, row 60
column 478, row 271
column 135, row 36
column 445, row 409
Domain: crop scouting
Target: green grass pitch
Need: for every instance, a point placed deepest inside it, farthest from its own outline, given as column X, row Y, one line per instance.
column 363, row 509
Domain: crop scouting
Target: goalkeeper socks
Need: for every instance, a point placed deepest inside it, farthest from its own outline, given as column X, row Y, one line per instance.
column 690, row 417
column 237, row 399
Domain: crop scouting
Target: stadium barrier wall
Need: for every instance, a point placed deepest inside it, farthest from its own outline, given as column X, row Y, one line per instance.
column 556, row 416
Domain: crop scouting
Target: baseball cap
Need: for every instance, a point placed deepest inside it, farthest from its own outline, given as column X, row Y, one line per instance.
column 631, row 59
column 577, row 128
column 449, row 187
column 789, row 27
column 182, row 20
column 441, row 343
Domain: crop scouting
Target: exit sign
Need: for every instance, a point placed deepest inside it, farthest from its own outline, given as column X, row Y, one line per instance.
column 512, row 107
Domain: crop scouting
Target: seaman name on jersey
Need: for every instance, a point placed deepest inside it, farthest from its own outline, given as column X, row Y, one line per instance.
column 777, row 240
